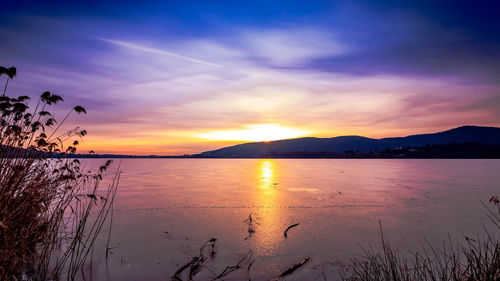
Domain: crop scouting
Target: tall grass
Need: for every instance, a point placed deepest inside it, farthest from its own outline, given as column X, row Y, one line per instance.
column 51, row 209
column 476, row 259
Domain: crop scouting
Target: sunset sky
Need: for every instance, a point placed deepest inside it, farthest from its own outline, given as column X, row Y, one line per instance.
column 176, row 77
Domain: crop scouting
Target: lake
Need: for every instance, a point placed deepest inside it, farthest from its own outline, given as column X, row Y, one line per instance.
column 166, row 209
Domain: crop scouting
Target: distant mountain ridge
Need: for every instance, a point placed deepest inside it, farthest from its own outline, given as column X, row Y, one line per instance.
column 345, row 144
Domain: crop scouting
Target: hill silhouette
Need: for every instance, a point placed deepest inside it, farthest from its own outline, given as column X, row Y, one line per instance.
column 465, row 140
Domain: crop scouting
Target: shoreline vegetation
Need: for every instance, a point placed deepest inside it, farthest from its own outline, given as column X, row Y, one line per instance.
column 476, row 258
column 51, row 210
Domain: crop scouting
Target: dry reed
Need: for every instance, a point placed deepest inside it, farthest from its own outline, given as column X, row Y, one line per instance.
column 51, row 209
column 477, row 259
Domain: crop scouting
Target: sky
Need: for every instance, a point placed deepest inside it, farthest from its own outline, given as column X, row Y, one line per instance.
column 182, row 77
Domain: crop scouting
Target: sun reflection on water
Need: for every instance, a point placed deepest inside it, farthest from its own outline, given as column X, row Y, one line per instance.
column 266, row 176
column 267, row 236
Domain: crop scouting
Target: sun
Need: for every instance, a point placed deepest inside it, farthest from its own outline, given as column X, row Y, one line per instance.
column 256, row 132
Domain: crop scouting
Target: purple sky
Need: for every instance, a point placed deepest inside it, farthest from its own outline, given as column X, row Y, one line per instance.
column 169, row 78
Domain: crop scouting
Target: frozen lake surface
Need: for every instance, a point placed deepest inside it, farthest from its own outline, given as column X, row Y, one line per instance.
column 166, row 209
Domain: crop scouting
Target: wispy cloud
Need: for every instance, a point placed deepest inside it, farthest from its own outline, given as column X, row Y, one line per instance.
column 290, row 47
column 152, row 50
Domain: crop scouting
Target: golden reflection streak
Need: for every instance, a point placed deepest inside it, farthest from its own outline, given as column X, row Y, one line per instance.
column 266, row 176
column 267, row 236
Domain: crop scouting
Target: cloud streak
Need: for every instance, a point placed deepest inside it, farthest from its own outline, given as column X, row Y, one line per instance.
column 143, row 48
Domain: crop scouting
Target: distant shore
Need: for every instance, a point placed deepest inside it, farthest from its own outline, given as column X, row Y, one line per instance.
column 439, row 151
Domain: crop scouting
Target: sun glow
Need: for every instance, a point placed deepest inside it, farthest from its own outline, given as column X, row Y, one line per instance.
column 256, row 132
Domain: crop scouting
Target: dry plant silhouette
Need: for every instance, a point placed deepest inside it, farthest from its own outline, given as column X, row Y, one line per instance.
column 476, row 259
column 51, row 209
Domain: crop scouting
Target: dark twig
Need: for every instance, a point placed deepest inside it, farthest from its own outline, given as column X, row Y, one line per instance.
column 177, row 274
column 235, row 267
column 294, row 267
column 288, row 228
column 196, row 262
column 248, row 270
column 251, row 229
